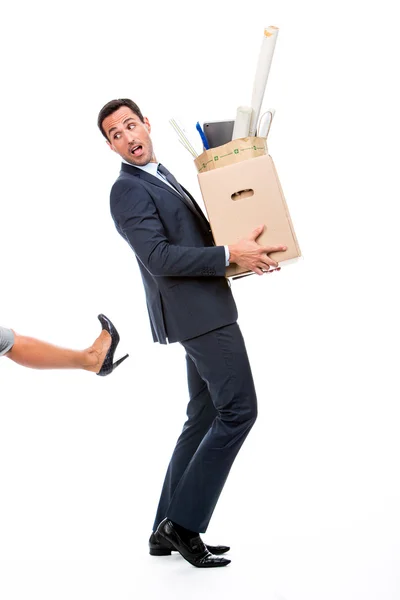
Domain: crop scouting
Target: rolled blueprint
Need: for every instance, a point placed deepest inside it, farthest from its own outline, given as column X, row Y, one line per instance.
column 262, row 72
column 242, row 122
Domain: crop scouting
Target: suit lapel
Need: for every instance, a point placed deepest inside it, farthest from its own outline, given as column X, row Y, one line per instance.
column 201, row 214
column 164, row 186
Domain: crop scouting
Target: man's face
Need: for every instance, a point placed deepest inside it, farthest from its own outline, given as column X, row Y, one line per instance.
column 129, row 137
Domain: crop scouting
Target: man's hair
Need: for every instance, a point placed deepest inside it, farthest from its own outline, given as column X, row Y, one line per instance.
column 109, row 108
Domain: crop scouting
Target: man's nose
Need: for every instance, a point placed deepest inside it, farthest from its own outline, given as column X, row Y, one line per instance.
column 130, row 135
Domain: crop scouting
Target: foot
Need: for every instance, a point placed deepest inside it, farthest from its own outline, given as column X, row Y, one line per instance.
column 160, row 547
column 190, row 548
column 96, row 354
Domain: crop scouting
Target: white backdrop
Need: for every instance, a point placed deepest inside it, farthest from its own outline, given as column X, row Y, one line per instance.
column 311, row 505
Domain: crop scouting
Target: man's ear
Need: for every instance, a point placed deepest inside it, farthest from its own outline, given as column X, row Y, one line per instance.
column 109, row 144
column 147, row 124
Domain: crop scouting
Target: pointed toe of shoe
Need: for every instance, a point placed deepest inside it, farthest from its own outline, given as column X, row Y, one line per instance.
column 210, row 560
column 218, row 549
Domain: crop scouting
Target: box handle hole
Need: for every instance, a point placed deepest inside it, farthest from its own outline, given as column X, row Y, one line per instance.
column 242, row 194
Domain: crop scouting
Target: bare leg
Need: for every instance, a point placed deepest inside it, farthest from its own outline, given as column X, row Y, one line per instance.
column 30, row 352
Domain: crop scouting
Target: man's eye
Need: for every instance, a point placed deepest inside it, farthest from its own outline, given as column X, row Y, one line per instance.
column 131, row 125
column 117, row 136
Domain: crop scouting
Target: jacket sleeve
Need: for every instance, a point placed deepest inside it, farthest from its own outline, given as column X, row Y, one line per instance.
column 137, row 219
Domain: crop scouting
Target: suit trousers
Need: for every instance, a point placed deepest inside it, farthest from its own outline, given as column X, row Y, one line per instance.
column 221, row 411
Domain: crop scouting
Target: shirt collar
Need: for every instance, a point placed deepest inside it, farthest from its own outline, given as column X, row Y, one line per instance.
column 150, row 168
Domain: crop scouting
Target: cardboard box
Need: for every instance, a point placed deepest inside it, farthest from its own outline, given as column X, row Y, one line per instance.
column 242, row 196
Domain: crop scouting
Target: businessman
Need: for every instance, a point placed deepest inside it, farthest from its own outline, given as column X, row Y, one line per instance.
column 189, row 301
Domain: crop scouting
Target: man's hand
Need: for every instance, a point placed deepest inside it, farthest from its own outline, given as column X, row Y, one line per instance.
column 252, row 256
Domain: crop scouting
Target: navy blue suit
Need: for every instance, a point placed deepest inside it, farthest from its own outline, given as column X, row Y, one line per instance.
column 182, row 270
column 189, row 300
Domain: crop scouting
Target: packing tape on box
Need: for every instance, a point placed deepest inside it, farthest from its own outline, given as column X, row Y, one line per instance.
column 231, row 153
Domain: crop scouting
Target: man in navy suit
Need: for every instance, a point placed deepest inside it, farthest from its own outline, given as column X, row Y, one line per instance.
column 189, row 300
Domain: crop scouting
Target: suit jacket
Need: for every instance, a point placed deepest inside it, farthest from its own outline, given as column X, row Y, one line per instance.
column 183, row 271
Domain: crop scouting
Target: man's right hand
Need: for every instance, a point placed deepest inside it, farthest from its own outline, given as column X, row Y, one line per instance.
column 252, row 256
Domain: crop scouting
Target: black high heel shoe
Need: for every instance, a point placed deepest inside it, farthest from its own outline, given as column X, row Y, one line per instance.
column 108, row 366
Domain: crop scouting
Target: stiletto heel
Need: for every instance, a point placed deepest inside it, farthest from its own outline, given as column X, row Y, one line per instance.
column 108, row 366
column 119, row 361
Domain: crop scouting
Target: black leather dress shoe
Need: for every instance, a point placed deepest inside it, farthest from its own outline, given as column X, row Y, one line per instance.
column 191, row 549
column 160, row 547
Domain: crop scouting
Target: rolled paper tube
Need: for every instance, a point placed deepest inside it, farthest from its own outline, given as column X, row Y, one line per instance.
column 262, row 72
column 242, row 122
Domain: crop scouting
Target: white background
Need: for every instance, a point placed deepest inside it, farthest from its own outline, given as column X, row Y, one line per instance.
column 311, row 506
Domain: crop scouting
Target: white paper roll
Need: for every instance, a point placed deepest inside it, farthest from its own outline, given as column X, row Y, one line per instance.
column 242, row 122
column 262, row 72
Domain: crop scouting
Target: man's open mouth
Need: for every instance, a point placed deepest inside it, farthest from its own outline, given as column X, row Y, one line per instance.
column 137, row 150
